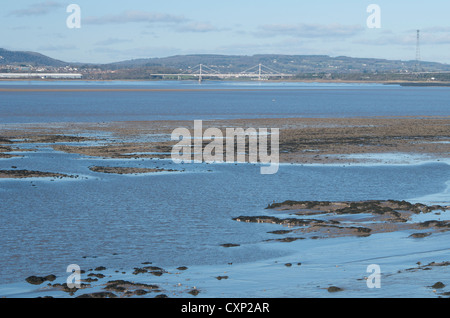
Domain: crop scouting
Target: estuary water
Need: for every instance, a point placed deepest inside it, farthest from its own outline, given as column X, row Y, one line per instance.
column 183, row 218
column 214, row 100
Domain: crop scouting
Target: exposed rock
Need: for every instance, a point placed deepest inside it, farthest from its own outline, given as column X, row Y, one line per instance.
column 98, row 295
column 123, row 286
column 434, row 223
column 193, row 292
column 289, row 239
column 336, row 219
column 280, row 232
column 156, row 273
column 35, row 280
column 221, row 277
column 420, row 235
column 64, row 287
column 438, row 285
column 140, row 292
column 334, row 289
column 154, row 270
column 139, row 271
column 229, row 245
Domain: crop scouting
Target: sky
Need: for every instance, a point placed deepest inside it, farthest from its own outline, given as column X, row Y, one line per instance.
column 112, row 31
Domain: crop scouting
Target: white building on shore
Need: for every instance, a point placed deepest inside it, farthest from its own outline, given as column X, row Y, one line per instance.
column 41, row 75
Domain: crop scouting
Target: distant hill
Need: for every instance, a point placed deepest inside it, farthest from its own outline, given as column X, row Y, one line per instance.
column 28, row 58
column 293, row 64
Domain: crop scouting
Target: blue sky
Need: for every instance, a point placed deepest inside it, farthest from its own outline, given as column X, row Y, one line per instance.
column 114, row 31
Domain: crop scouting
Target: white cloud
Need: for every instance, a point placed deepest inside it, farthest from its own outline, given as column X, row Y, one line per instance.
column 135, row 16
column 41, row 8
column 309, row 30
column 197, row 27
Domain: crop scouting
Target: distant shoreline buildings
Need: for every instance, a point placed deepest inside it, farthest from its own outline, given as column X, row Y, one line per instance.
column 41, row 75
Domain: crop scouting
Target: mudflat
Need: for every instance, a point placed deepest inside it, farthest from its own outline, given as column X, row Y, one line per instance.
column 302, row 140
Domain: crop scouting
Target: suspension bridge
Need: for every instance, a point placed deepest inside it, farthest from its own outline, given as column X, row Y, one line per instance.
column 259, row 72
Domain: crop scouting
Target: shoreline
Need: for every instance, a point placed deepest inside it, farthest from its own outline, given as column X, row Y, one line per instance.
column 325, row 81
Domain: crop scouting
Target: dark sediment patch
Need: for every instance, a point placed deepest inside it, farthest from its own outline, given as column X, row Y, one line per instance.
column 127, row 170
column 121, row 150
column 7, row 156
column 70, row 290
column 21, row 174
column 5, row 141
column 229, row 245
column 55, row 138
column 426, row 267
column 4, row 151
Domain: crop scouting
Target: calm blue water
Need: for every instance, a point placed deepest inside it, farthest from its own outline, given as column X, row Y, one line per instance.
column 173, row 219
column 182, row 218
column 233, row 100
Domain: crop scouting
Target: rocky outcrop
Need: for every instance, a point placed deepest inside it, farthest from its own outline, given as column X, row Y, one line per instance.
column 333, row 219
